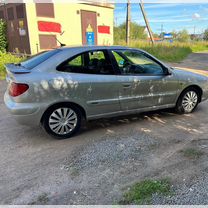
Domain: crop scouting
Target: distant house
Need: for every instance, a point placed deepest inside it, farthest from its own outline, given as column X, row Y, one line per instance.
column 197, row 36
column 33, row 27
column 155, row 39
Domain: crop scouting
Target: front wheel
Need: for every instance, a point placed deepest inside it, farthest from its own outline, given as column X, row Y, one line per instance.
column 62, row 121
column 188, row 101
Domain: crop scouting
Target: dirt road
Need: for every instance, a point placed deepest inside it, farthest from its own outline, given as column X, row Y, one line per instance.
column 98, row 165
column 194, row 61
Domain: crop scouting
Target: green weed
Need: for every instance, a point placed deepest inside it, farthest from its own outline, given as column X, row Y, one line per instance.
column 141, row 192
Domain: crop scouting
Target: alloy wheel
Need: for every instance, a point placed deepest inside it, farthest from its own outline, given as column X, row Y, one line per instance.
column 190, row 101
column 63, row 121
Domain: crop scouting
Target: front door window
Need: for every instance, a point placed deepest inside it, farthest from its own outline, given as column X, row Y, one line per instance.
column 136, row 63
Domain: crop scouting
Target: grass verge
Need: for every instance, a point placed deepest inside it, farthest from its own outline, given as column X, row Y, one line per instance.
column 141, row 192
column 192, row 153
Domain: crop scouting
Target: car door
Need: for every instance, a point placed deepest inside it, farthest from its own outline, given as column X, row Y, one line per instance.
column 163, row 85
column 134, row 92
column 94, row 71
column 144, row 83
column 164, row 89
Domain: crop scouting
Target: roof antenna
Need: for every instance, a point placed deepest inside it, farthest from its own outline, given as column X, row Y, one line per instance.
column 61, row 44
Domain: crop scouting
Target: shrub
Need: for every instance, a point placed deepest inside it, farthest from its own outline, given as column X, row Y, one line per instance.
column 206, row 35
column 3, row 40
column 6, row 58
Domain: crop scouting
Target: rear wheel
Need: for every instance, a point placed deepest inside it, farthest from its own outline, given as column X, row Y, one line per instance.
column 62, row 121
column 188, row 101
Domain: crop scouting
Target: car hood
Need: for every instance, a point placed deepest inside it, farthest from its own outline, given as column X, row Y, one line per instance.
column 188, row 73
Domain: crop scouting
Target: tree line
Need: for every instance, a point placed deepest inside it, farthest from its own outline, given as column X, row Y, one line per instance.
column 138, row 32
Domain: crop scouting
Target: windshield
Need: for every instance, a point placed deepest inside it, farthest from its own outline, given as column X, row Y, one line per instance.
column 37, row 59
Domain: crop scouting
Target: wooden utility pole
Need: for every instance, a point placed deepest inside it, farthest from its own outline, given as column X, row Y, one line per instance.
column 128, row 22
column 146, row 21
column 161, row 33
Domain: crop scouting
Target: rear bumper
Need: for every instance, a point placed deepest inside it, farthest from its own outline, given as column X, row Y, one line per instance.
column 24, row 113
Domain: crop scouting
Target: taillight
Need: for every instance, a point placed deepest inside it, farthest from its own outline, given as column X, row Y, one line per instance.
column 17, row 89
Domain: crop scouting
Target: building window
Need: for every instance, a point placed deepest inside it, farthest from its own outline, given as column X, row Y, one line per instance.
column 20, row 11
column 1, row 14
column 47, row 41
column 45, row 10
column 10, row 13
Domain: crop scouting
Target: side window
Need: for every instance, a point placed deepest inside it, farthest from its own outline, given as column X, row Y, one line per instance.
column 120, row 61
column 76, row 61
column 93, row 62
column 133, row 62
column 74, row 65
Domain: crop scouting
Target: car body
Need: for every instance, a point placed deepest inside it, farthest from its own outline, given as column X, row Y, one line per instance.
column 99, row 81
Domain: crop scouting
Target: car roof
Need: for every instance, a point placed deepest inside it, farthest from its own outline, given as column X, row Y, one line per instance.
column 85, row 48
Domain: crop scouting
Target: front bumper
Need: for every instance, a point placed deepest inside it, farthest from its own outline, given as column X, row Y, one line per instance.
column 205, row 91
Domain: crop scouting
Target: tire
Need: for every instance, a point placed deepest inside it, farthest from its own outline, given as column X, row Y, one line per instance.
column 188, row 101
column 62, row 121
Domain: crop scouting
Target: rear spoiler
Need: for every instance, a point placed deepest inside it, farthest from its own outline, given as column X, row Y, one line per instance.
column 13, row 69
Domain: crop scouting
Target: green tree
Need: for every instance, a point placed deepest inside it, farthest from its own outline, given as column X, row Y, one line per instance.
column 183, row 36
column 3, row 40
column 136, row 32
column 155, row 35
column 206, row 34
column 174, row 34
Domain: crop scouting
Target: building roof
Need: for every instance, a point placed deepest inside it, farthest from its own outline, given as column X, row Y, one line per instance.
column 101, row 3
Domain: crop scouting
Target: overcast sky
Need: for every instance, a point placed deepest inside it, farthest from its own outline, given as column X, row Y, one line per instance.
column 173, row 16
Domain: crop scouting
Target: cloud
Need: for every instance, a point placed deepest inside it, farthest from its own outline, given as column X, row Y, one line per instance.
column 196, row 16
column 173, row 20
column 157, row 6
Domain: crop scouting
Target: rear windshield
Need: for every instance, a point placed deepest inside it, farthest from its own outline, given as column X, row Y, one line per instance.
column 37, row 59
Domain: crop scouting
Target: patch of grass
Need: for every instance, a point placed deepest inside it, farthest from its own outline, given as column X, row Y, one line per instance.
column 199, row 46
column 192, row 153
column 6, row 58
column 170, row 52
column 42, row 199
column 141, row 192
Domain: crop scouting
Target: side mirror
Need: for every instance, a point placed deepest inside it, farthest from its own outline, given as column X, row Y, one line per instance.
column 167, row 71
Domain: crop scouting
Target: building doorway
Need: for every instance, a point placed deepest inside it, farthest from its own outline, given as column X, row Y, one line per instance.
column 89, row 27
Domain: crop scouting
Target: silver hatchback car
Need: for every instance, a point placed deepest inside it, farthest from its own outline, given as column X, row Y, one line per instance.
column 59, row 88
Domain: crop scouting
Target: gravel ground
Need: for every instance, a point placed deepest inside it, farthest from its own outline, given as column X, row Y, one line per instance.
column 195, row 193
column 98, row 165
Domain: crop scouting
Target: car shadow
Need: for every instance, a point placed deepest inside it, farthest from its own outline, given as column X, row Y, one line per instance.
column 162, row 118
column 127, row 119
column 167, row 118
